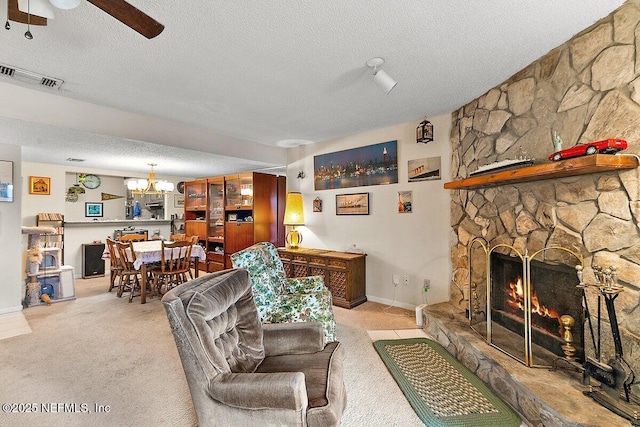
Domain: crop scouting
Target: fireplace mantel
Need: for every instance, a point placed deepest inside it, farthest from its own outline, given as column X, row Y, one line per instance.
column 571, row 167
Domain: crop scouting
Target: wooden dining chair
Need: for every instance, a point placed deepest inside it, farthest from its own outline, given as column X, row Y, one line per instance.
column 115, row 267
column 176, row 237
column 195, row 263
column 174, row 266
column 130, row 278
column 132, row 238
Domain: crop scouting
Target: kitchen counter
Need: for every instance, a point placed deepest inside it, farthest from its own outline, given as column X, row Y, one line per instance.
column 110, row 222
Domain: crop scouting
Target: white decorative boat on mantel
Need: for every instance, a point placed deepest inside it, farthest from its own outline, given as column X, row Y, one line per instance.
column 502, row 165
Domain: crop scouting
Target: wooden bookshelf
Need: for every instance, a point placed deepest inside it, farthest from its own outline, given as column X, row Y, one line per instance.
column 55, row 220
column 596, row 163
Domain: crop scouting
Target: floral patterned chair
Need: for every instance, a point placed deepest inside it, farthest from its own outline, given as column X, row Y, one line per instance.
column 281, row 299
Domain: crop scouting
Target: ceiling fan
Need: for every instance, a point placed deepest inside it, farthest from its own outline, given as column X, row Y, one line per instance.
column 36, row 12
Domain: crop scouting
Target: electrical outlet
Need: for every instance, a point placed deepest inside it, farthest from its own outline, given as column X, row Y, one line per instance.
column 427, row 284
column 396, row 279
column 405, row 280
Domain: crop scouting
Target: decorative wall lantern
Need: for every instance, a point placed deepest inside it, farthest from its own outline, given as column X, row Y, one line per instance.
column 424, row 132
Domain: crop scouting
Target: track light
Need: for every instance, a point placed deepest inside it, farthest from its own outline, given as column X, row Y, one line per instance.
column 380, row 76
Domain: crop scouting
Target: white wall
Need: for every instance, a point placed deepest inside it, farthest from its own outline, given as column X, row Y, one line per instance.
column 112, row 182
column 11, row 257
column 413, row 244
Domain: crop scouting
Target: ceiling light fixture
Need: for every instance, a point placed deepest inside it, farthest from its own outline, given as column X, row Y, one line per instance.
column 380, row 76
column 65, row 4
column 151, row 185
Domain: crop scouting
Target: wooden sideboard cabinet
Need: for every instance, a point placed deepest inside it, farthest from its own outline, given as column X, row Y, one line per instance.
column 344, row 273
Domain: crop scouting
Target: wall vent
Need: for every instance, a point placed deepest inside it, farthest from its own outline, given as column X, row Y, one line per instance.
column 30, row 77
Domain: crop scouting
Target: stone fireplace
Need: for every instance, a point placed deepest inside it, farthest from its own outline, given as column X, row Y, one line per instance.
column 585, row 90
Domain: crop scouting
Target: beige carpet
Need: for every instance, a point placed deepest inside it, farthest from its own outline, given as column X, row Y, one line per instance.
column 101, row 350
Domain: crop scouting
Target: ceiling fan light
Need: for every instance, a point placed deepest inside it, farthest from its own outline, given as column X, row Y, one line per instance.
column 36, row 7
column 65, row 4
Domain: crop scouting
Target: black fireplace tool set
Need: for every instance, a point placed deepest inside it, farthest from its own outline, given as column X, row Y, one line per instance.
column 616, row 376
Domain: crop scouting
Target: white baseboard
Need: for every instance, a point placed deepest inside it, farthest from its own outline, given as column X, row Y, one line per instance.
column 13, row 324
column 10, row 309
column 391, row 303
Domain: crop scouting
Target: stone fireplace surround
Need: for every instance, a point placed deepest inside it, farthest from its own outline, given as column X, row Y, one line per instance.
column 541, row 397
column 585, row 90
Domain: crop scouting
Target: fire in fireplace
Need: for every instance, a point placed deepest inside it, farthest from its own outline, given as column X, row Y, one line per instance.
column 550, row 293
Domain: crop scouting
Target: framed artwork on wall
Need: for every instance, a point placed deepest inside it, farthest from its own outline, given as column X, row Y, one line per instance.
column 352, row 204
column 317, row 204
column 6, row 181
column 425, row 169
column 178, row 201
column 375, row 164
column 40, row 185
column 92, row 209
column 405, row 201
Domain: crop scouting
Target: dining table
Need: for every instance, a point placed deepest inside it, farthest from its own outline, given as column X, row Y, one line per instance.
column 149, row 252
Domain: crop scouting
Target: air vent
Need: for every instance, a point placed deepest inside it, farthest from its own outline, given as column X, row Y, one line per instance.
column 30, row 77
column 71, row 159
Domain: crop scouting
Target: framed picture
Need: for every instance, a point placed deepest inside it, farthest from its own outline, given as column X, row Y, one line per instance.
column 425, row 169
column 405, row 201
column 317, row 204
column 178, row 201
column 93, row 209
column 232, row 217
column 352, row 204
column 375, row 164
column 6, row 181
column 40, row 185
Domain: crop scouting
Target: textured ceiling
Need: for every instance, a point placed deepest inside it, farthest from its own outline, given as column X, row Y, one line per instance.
column 227, row 81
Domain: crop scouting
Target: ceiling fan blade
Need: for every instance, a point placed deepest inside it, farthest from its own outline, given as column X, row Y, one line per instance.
column 14, row 14
column 130, row 16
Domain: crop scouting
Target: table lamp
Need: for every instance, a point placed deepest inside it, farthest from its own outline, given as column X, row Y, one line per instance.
column 294, row 216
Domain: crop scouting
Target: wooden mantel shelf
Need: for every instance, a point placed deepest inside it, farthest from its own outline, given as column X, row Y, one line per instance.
column 571, row 167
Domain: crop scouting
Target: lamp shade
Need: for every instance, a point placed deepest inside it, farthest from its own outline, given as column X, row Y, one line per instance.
column 293, row 211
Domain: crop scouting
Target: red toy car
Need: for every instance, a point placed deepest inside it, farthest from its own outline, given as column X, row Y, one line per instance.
column 606, row 146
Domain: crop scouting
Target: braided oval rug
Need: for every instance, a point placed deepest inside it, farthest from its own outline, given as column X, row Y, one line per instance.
column 441, row 390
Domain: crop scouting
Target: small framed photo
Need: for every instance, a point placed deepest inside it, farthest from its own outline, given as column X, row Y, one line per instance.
column 40, row 185
column 92, row 209
column 232, row 217
column 352, row 204
column 178, row 201
column 6, row 181
column 405, row 202
column 317, row 204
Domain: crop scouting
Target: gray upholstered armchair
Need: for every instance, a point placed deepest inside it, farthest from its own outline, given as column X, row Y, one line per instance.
column 241, row 372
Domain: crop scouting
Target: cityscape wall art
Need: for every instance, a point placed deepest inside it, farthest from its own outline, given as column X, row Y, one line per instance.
column 375, row 164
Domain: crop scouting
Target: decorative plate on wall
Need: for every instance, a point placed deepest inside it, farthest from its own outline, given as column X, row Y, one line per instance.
column 180, row 187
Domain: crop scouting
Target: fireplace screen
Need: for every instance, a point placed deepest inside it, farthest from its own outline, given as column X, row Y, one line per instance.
column 525, row 301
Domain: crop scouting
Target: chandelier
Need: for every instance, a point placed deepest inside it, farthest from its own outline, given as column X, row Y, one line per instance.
column 150, row 185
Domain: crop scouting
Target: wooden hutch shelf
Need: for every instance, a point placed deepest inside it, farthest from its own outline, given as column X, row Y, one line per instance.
column 571, row 167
